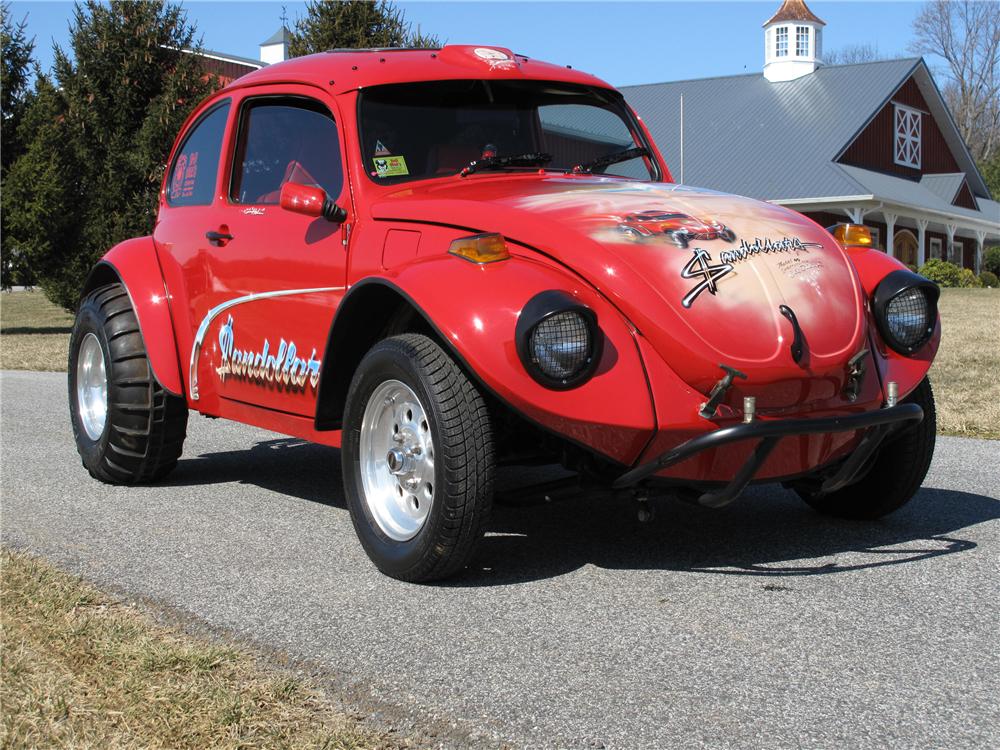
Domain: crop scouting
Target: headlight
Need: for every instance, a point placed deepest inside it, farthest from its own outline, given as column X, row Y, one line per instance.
column 905, row 306
column 558, row 340
column 907, row 316
column 560, row 345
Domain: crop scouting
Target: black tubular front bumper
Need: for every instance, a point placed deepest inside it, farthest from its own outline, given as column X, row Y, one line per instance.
column 878, row 424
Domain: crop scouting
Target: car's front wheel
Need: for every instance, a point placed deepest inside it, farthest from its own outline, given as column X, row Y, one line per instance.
column 127, row 428
column 417, row 457
column 895, row 474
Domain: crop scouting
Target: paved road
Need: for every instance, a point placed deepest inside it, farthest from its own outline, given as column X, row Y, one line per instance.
column 762, row 625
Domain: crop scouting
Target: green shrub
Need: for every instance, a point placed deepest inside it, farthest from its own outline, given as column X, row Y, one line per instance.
column 967, row 279
column 989, row 279
column 991, row 260
column 942, row 272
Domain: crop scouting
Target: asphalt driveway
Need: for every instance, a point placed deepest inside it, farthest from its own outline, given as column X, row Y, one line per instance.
column 761, row 625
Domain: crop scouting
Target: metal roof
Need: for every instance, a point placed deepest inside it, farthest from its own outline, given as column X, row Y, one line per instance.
column 943, row 185
column 746, row 135
column 895, row 190
column 794, row 10
column 780, row 141
column 281, row 36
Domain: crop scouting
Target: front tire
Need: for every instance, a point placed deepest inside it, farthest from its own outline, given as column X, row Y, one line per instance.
column 127, row 428
column 417, row 458
column 894, row 476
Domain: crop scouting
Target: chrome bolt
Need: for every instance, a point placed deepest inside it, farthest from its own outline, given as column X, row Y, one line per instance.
column 892, row 394
column 749, row 409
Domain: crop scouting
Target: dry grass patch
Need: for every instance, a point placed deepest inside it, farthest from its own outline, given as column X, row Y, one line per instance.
column 34, row 333
column 78, row 669
column 966, row 372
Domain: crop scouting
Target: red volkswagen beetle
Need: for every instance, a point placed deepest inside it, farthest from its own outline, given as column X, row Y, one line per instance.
column 412, row 255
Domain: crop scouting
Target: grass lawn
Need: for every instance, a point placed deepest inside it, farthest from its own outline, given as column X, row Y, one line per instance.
column 34, row 335
column 966, row 372
column 80, row 669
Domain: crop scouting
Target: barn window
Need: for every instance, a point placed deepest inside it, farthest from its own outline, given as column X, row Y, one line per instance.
column 781, row 43
column 802, row 41
column 907, row 142
column 935, row 247
column 956, row 253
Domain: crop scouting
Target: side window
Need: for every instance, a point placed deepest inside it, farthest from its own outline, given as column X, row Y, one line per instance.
column 196, row 166
column 285, row 141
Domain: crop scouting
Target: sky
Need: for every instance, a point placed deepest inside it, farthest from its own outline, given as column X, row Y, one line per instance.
column 622, row 42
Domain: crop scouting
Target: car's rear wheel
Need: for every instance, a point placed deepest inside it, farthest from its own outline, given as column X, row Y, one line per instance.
column 127, row 428
column 417, row 458
column 895, row 474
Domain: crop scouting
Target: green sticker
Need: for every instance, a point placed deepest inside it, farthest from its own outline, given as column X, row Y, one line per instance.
column 390, row 166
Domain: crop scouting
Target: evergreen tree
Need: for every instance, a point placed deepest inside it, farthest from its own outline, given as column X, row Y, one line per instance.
column 90, row 175
column 15, row 99
column 15, row 78
column 337, row 24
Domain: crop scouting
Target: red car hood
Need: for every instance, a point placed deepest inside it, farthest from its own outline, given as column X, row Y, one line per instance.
column 710, row 303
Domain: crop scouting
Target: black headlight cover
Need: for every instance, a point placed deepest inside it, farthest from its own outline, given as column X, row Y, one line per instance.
column 905, row 321
column 555, row 313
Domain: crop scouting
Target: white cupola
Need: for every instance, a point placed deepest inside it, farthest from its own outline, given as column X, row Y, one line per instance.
column 275, row 48
column 793, row 42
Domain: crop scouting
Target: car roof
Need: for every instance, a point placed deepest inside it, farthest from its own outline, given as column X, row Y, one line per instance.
column 347, row 70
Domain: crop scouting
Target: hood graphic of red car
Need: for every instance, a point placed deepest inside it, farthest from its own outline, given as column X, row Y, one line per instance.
column 679, row 227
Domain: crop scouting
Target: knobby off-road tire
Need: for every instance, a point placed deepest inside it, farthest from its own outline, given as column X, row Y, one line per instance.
column 144, row 428
column 408, row 393
column 895, row 474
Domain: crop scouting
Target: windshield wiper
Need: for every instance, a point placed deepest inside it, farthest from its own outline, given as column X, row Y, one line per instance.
column 609, row 159
column 533, row 159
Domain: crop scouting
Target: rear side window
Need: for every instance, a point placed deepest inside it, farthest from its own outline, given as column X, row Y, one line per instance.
column 285, row 140
column 196, row 166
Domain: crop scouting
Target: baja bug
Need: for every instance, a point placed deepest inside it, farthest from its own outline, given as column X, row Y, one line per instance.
column 416, row 256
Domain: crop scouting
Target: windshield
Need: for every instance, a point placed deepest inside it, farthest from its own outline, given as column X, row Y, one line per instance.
column 414, row 131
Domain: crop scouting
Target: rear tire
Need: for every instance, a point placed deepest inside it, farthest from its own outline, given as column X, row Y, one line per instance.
column 134, row 430
column 894, row 476
column 420, row 513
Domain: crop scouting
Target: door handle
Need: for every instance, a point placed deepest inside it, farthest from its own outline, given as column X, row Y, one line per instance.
column 218, row 238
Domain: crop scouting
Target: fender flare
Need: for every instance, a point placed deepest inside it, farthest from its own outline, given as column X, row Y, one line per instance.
column 134, row 265
column 477, row 328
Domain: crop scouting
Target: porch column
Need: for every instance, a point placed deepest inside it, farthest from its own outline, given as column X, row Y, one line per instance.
column 890, row 231
column 921, row 242
column 856, row 214
column 950, row 253
column 980, row 241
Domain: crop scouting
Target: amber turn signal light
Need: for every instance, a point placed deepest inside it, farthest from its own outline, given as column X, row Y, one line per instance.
column 481, row 248
column 852, row 234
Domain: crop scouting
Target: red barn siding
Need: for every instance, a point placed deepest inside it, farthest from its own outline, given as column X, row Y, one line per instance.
column 874, row 148
column 964, row 198
column 225, row 71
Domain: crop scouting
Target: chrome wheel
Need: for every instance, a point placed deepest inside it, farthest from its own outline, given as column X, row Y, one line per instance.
column 91, row 387
column 397, row 460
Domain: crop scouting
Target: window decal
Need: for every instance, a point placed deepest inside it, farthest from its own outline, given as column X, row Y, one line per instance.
column 907, row 140
column 390, row 166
